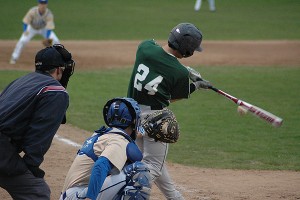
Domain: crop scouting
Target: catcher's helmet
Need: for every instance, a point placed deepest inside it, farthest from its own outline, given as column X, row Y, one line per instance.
column 186, row 38
column 122, row 113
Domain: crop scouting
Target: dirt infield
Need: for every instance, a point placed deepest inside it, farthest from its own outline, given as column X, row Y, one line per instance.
column 108, row 54
column 194, row 183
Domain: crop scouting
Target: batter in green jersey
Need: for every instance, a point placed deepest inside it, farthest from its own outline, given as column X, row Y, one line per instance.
column 157, row 79
column 158, row 76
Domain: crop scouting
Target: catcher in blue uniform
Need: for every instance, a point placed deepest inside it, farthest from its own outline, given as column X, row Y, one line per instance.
column 108, row 166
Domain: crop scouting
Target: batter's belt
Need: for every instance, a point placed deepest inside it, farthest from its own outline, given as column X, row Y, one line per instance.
column 156, row 107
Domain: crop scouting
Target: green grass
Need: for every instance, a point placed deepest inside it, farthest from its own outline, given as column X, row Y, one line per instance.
column 217, row 136
column 212, row 133
column 132, row 19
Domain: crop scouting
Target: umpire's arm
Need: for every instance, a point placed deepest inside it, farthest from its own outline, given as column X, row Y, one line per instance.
column 46, row 119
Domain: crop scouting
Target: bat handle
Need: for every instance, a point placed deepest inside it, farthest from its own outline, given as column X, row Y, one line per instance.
column 213, row 88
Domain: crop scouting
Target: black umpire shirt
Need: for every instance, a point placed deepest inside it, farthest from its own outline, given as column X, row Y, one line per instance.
column 31, row 110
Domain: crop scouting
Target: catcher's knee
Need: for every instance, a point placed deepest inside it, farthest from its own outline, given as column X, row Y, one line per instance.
column 138, row 182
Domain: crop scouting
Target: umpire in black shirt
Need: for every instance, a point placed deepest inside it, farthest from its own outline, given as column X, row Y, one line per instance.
column 32, row 108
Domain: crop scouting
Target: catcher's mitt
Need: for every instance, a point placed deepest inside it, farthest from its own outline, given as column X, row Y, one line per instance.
column 162, row 126
column 47, row 42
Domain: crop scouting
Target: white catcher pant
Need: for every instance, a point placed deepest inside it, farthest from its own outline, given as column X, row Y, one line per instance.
column 110, row 188
column 27, row 36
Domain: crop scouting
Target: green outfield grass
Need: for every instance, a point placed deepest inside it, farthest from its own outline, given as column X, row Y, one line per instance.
column 212, row 133
column 132, row 19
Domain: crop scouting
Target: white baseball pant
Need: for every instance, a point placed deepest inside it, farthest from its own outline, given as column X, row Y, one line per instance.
column 27, row 36
column 211, row 3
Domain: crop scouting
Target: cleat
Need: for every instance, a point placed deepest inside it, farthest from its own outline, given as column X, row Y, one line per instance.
column 12, row 61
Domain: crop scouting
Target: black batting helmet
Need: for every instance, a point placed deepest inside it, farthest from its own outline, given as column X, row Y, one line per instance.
column 185, row 38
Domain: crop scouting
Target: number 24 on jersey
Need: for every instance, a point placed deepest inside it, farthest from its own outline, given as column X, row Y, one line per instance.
column 143, row 72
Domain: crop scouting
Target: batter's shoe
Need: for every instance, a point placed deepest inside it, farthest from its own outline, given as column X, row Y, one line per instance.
column 12, row 61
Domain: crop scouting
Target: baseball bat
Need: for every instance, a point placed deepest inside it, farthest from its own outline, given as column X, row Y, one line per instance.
column 256, row 111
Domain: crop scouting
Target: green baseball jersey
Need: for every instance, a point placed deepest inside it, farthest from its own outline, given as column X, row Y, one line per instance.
column 157, row 76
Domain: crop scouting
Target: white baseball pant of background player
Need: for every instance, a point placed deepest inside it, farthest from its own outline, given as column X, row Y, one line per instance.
column 211, row 3
column 27, row 36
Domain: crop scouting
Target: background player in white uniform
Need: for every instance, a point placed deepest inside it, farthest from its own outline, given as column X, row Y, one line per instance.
column 38, row 20
column 211, row 3
column 157, row 79
column 106, row 153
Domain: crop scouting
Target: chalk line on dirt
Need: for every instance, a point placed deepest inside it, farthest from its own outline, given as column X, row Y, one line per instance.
column 67, row 141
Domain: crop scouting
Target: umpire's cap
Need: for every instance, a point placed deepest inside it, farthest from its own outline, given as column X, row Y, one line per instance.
column 48, row 58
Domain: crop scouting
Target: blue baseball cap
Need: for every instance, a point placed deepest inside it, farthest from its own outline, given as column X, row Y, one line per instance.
column 43, row 1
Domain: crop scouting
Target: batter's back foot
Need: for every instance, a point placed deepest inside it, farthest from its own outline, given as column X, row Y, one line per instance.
column 12, row 61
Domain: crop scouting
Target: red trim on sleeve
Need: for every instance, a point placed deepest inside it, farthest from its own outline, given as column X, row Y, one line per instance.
column 51, row 88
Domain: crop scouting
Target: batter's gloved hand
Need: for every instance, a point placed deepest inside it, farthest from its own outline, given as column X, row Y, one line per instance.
column 36, row 171
column 162, row 126
column 202, row 84
column 193, row 74
column 47, row 42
